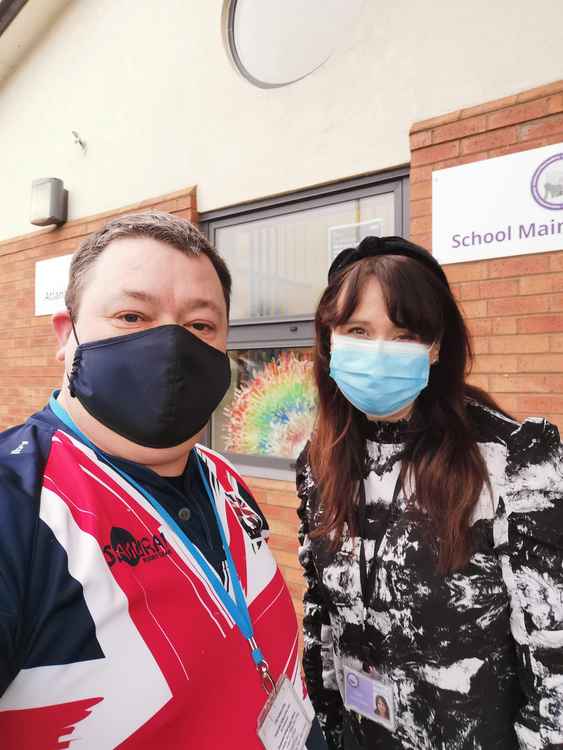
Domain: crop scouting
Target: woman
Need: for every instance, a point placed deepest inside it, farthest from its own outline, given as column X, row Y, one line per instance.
column 432, row 527
column 381, row 707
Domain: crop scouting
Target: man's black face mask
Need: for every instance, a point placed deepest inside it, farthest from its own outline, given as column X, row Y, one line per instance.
column 157, row 388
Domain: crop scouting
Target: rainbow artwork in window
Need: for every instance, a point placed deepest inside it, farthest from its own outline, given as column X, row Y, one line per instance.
column 273, row 411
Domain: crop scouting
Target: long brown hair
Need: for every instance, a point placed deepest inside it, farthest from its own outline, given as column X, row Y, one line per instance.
column 441, row 454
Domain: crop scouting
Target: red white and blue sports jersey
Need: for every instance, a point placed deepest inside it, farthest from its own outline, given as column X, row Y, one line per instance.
column 110, row 634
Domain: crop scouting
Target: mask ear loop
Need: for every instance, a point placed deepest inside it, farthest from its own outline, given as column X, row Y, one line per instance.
column 76, row 360
column 73, row 328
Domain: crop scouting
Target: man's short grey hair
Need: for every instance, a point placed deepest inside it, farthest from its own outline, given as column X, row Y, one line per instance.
column 158, row 225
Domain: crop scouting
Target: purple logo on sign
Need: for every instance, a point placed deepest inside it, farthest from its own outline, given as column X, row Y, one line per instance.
column 547, row 183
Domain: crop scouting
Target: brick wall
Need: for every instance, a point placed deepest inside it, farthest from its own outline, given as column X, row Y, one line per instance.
column 279, row 502
column 28, row 370
column 514, row 306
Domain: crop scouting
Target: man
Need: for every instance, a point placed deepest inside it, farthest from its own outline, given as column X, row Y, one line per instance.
column 139, row 604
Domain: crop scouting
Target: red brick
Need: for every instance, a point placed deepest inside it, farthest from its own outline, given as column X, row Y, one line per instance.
column 424, row 239
column 537, row 284
column 282, row 514
column 470, row 290
column 498, row 288
column 287, row 560
column 480, row 326
column 421, row 224
column 519, row 344
column 433, row 154
column 525, row 145
column 504, row 326
column 520, row 265
column 459, row 129
column 506, row 402
column 481, row 345
column 522, row 305
column 541, row 91
column 555, row 103
column 518, row 113
column 421, row 139
column 480, row 109
column 434, row 122
column 466, row 271
column 479, row 381
column 489, row 140
column 556, row 303
column 540, row 404
column 421, row 190
column 541, row 324
column 187, row 201
column 556, row 261
column 527, row 383
column 421, row 174
column 455, row 162
column 556, row 342
column 541, row 363
column 421, row 208
column 474, row 309
column 494, row 363
column 547, row 126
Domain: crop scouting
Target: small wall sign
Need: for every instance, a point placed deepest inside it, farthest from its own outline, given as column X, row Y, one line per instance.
column 509, row 205
column 51, row 280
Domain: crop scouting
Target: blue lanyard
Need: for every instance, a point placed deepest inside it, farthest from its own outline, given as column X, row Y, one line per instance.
column 238, row 609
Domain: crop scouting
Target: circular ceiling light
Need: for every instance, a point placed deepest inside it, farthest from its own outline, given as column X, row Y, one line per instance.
column 275, row 43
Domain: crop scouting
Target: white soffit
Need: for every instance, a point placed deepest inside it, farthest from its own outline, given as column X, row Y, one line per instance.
column 25, row 31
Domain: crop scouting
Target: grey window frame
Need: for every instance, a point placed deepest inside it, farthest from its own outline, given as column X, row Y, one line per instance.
column 293, row 331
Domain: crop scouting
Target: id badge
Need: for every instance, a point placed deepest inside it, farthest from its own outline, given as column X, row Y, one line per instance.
column 283, row 723
column 370, row 695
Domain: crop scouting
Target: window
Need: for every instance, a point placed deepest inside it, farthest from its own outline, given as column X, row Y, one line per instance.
column 279, row 252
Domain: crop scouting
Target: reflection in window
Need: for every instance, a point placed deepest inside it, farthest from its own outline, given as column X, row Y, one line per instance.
column 270, row 407
column 280, row 264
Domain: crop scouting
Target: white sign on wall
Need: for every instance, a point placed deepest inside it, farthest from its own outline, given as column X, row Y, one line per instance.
column 51, row 280
column 509, row 205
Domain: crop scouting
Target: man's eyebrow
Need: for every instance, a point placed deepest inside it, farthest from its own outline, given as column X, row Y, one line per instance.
column 152, row 299
column 199, row 303
column 138, row 295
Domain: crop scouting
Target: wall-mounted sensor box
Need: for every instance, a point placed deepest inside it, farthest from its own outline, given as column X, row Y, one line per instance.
column 49, row 202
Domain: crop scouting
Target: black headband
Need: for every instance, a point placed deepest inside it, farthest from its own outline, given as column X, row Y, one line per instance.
column 370, row 247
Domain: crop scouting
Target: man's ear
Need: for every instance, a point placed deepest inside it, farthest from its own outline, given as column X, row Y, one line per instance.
column 63, row 328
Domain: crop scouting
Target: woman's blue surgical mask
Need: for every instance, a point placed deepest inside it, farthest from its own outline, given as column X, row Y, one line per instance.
column 380, row 378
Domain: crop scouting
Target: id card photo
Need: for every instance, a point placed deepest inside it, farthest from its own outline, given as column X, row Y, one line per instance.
column 371, row 696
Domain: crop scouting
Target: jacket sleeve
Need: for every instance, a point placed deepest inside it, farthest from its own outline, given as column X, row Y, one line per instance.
column 530, row 534
column 17, row 525
column 318, row 656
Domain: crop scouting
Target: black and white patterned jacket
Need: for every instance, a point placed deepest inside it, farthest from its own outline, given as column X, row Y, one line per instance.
column 475, row 657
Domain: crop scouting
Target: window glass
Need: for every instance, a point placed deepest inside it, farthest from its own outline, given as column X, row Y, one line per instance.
column 270, row 407
column 280, row 264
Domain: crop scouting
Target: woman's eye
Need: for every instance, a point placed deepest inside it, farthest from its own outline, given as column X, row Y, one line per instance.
column 357, row 331
column 406, row 337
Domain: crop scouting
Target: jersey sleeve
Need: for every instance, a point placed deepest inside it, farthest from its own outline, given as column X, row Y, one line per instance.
column 18, row 521
column 530, row 533
column 318, row 656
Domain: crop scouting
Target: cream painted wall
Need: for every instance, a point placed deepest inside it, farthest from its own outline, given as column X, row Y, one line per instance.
column 155, row 97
